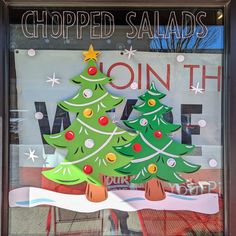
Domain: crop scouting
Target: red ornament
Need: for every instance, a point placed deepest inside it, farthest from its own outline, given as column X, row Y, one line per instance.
column 88, row 169
column 137, row 147
column 92, row 70
column 158, row 134
column 69, row 135
column 103, row 120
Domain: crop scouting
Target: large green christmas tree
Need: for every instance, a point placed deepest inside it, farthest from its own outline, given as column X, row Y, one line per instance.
column 156, row 156
column 90, row 138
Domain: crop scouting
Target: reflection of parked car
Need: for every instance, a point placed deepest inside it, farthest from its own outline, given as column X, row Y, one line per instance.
column 15, row 119
column 118, row 221
column 14, row 124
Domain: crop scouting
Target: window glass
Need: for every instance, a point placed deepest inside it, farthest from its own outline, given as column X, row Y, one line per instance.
column 116, row 121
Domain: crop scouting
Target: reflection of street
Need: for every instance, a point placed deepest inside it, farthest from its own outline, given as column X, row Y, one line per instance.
column 173, row 223
column 119, row 223
column 16, row 118
column 34, row 221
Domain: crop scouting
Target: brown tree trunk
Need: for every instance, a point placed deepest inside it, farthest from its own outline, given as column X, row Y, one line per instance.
column 96, row 193
column 154, row 190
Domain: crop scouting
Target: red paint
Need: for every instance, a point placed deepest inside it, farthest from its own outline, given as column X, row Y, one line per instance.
column 137, row 147
column 137, row 73
column 101, row 66
column 69, row 135
column 88, row 169
column 49, row 220
column 142, row 223
column 139, row 76
column 131, row 71
column 158, row 134
column 103, row 120
column 92, row 70
column 191, row 68
column 166, row 83
column 217, row 77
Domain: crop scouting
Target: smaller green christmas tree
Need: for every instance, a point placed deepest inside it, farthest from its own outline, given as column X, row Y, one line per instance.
column 155, row 155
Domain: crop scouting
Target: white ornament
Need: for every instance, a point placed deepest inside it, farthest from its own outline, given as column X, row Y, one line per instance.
column 129, row 52
column 197, row 89
column 202, row 123
column 87, row 93
column 180, row 58
column 213, row 163
column 134, row 85
column 89, row 143
column 143, row 122
column 171, row 162
column 31, row 52
column 38, row 115
column 31, row 155
column 53, row 79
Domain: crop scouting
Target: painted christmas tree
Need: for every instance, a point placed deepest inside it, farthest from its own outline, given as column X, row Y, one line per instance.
column 156, row 156
column 90, row 138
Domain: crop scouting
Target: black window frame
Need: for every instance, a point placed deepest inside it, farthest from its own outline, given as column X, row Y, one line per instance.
column 229, row 92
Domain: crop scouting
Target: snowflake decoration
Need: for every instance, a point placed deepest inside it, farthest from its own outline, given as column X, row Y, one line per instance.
column 197, row 89
column 53, row 80
column 31, row 155
column 129, row 52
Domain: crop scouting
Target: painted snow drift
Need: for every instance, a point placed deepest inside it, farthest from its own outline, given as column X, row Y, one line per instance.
column 124, row 200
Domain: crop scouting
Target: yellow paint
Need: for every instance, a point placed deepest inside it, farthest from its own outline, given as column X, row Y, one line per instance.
column 151, row 102
column 152, row 168
column 111, row 157
column 88, row 112
column 91, row 54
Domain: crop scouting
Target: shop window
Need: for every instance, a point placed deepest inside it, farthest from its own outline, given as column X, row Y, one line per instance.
column 121, row 106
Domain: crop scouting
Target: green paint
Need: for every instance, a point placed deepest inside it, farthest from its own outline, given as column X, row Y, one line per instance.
column 70, row 171
column 163, row 151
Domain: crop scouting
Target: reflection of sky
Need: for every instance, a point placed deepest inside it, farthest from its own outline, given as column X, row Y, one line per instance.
column 213, row 39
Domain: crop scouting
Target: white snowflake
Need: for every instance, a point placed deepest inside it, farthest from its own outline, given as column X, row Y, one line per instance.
column 129, row 52
column 31, row 155
column 197, row 89
column 53, row 80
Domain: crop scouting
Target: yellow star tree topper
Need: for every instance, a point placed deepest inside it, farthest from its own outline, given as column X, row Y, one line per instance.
column 91, row 54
